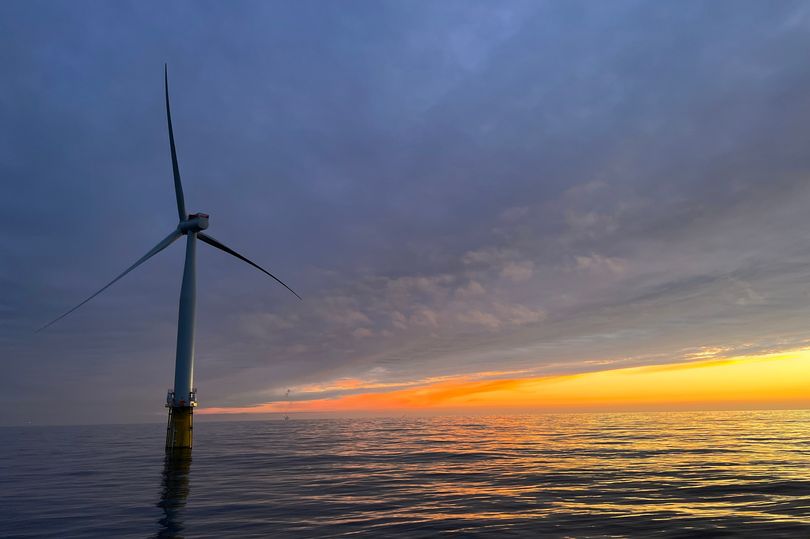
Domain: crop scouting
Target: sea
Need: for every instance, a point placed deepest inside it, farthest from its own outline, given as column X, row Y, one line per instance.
column 680, row 474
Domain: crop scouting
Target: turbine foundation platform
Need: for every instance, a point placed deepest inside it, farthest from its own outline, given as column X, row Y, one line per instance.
column 180, row 430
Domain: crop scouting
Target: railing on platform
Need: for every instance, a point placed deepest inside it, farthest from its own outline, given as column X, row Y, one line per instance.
column 172, row 403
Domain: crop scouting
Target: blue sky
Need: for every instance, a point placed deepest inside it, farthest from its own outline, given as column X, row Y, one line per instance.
column 454, row 188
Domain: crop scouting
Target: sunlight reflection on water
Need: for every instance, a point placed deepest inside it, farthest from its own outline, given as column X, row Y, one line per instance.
column 679, row 474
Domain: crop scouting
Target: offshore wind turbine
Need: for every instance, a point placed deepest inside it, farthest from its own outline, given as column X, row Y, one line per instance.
column 183, row 398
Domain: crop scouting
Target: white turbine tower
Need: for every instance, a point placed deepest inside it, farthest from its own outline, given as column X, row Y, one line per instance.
column 182, row 400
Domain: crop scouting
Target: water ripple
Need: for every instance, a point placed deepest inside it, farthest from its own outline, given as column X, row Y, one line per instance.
column 718, row 474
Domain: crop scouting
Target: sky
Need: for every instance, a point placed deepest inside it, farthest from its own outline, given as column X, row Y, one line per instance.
column 477, row 201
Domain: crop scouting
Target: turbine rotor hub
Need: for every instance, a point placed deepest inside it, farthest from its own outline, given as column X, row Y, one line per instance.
column 196, row 222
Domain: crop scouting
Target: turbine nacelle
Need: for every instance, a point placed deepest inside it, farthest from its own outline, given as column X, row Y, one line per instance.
column 195, row 223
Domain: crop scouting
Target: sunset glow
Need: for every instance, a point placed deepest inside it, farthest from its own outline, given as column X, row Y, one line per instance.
column 770, row 380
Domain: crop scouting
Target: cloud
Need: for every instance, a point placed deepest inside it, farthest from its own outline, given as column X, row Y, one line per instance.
column 518, row 271
column 477, row 317
column 519, row 314
column 472, row 289
column 450, row 186
column 600, row 264
column 424, row 317
column 743, row 381
column 362, row 333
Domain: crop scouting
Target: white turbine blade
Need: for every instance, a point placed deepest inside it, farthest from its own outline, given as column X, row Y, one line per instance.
column 211, row 241
column 178, row 187
column 168, row 240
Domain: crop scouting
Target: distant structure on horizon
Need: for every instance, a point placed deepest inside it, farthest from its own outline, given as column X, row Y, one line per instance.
column 183, row 398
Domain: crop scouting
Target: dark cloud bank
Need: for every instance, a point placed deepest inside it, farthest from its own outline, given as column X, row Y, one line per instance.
column 454, row 187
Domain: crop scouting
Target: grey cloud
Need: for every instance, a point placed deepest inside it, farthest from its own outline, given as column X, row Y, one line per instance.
column 454, row 187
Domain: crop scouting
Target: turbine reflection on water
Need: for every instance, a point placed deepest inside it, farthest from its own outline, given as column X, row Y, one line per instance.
column 174, row 491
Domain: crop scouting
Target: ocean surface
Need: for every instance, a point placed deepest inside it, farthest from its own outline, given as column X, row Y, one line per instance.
column 685, row 474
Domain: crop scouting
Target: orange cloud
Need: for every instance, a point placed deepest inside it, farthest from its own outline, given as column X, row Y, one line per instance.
column 768, row 380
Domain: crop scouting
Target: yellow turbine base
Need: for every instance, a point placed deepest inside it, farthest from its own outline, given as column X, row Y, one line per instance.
column 180, row 430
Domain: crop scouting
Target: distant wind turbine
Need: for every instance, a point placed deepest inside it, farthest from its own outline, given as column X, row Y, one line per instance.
column 182, row 400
